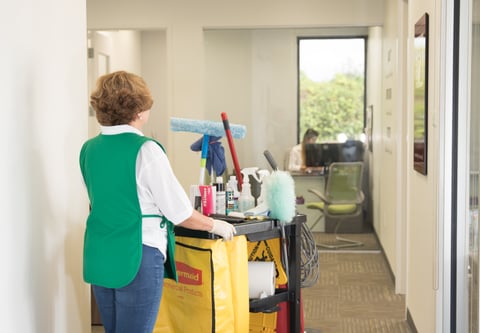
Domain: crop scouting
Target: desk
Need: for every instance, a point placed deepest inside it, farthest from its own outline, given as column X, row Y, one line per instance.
column 303, row 182
column 262, row 230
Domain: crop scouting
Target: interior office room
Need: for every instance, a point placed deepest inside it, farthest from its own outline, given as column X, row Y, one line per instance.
column 426, row 223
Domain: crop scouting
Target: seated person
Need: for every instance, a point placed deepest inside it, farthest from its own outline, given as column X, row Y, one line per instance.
column 296, row 160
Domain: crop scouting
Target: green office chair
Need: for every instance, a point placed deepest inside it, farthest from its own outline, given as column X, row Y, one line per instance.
column 341, row 200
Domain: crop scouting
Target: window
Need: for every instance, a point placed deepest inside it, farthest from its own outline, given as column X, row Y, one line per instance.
column 331, row 83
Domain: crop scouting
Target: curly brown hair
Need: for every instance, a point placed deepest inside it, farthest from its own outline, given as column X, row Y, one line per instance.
column 119, row 97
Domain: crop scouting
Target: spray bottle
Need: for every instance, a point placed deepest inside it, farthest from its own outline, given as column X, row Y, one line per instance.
column 261, row 175
column 246, row 200
column 231, row 195
column 220, row 205
column 261, row 208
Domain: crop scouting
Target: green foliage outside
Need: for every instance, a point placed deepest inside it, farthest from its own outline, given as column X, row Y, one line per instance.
column 419, row 113
column 419, row 93
column 332, row 107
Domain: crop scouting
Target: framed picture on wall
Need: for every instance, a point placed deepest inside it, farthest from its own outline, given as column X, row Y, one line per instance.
column 420, row 95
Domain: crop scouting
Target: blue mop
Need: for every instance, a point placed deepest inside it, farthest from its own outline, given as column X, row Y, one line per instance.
column 215, row 155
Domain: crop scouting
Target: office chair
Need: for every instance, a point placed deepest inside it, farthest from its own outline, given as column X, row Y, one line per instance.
column 341, row 200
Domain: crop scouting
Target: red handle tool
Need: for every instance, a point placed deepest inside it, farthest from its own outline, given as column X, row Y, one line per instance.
column 226, row 126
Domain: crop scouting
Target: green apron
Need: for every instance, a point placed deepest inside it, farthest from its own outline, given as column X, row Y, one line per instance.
column 113, row 237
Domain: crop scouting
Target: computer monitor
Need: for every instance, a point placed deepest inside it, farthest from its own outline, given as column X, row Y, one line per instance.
column 321, row 154
column 330, row 153
column 351, row 151
column 313, row 155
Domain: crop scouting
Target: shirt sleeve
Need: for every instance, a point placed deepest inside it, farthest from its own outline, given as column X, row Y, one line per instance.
column 159, row 186
column 295, row 160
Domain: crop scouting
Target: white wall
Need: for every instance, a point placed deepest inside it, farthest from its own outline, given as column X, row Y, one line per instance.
column 229, row 86
column 154, row 71
column 251, row 75
column 390, row 133
column 140, row 52
column 391, row 226
column 126, row 43
column 120, row 50
column 43, row 92
column 186, row 77
column 374, row 99
column 423, row 223
column 417, row 224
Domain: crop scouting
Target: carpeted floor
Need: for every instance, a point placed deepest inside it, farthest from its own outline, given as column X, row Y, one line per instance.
column 354, row 293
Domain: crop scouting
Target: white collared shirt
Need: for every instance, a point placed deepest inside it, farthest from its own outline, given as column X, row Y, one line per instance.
column 159, row 191
column 295, row 158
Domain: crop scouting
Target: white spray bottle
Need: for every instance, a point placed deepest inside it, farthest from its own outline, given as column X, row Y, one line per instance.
column 261, row 175
column 232, row 195
column 261, row 208
column 246, row 200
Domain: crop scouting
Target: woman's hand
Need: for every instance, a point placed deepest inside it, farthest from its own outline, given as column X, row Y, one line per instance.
column 223, row 229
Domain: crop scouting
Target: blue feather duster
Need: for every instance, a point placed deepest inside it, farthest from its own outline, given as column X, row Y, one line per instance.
column 280, row 196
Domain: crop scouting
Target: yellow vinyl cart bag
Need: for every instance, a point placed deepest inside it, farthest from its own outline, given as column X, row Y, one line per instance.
column 212, row 290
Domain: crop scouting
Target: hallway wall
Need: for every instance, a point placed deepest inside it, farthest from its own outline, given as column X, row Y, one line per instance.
column 399, row 182
column 423, row 224
column 43, row 207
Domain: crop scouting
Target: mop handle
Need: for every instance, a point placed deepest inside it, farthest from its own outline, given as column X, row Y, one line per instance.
column 270, row 160
column 226, row 126
column 203, row 159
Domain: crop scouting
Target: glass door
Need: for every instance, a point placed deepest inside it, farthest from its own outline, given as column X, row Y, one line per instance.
column 474, row 184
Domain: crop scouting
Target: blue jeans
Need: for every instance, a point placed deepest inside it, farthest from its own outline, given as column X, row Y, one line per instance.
column 134, row 308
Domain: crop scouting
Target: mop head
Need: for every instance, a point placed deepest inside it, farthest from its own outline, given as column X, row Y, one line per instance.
column 213, row 128
column 280, row 196
column 215, row 155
